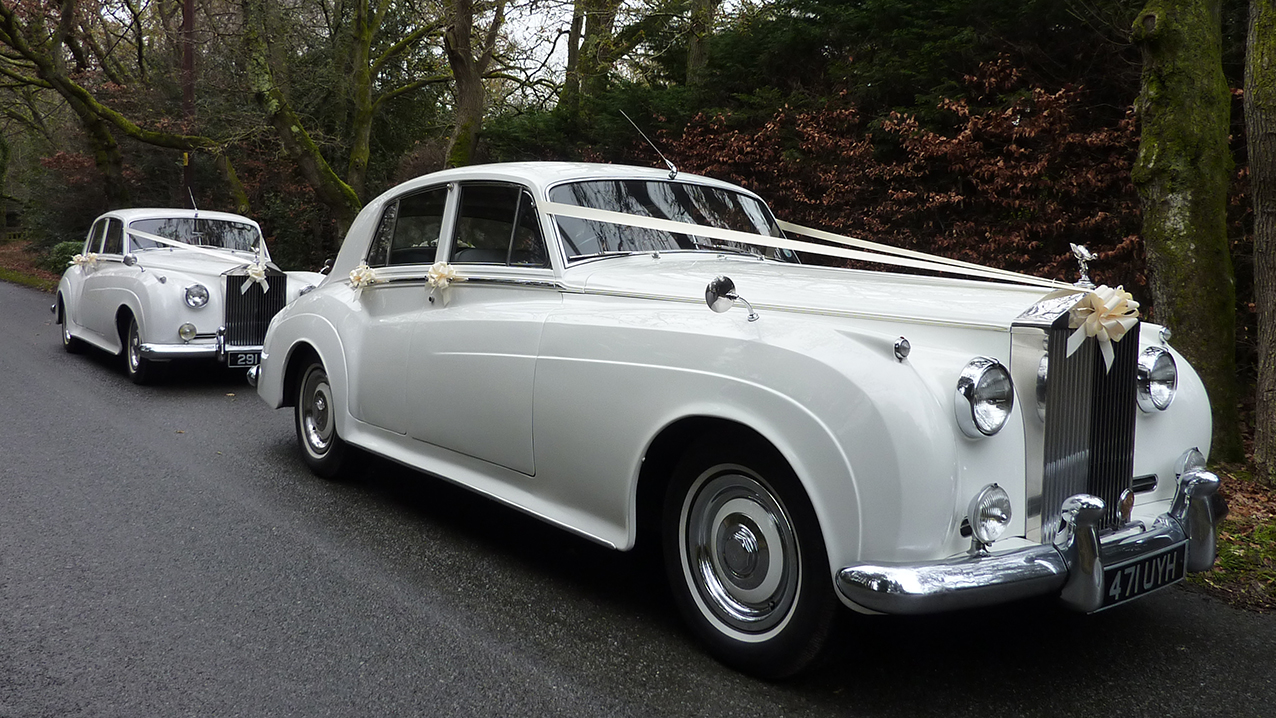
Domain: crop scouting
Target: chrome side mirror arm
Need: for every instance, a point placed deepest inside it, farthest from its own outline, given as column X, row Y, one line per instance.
column 720, row 295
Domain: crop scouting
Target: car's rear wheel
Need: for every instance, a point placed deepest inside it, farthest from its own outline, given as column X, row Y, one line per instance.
column 69, row 343
column 315, row 413
column 140, row 369
column 746, row 559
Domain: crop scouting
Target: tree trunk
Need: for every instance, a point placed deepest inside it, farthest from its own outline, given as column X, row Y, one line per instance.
column 1260, row 130
column 702, row 14
column 329, row 189
column 1182, row 174
column 468, row 67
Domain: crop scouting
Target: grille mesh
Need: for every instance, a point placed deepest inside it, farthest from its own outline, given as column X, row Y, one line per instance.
column 248, row 313
column 1089, row 427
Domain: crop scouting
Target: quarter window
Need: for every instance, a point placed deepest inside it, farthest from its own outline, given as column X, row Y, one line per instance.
column 409, row 230
column 114, row 242
column 497, row 224
column 94, row 242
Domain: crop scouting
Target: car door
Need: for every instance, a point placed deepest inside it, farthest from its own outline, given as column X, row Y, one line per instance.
column 103, row 285
column 473, row 353
column 74, row 300
column 402, row 251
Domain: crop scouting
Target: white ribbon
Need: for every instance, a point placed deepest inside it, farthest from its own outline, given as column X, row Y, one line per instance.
column 880, row 253
column 258, row 264
column 362, row 276
column 1105, row 314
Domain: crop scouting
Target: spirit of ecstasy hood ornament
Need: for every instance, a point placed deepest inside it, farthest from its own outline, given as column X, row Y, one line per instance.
column 1084, row 256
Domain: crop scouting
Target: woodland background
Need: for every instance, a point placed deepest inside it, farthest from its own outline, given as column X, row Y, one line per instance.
column 985, row 130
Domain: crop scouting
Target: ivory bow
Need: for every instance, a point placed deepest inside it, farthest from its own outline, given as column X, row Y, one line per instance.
column 256, row 273
column 442, row 274
column 1105, row 314
column 85, row 260
column 362, row 276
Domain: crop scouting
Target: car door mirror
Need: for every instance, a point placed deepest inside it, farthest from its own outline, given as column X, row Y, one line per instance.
column 130, row 260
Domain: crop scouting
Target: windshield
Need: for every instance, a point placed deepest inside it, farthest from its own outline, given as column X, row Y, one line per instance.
column 219, row 233
column 676, row 201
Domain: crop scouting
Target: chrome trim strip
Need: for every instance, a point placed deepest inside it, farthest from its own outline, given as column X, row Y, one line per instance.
column 1072, row 567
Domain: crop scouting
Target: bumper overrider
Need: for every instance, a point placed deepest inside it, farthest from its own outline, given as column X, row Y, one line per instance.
column 1072, row 567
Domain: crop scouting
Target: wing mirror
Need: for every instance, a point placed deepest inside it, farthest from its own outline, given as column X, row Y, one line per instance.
column 720, row 295
column 327, row 266
column 130, row 260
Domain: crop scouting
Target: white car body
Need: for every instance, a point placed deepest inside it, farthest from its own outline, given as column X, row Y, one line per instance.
column 122, row 278
column 573, row 391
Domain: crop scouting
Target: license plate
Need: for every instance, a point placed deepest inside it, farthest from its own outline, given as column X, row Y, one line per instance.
column 1144, row 575
column 244, row 359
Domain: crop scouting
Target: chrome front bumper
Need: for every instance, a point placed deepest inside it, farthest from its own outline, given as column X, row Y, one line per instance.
column 186, row 350
column 1071, row 567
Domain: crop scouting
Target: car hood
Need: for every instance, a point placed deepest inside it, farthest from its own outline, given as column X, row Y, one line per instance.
column 209, row 264
column 814, row 289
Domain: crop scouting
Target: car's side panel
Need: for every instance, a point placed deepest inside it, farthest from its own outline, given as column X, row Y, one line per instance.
column 472, row 367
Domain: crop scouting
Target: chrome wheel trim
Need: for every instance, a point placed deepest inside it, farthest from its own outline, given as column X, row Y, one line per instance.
column 134, row 347
column 317, row 423
column 740, row 553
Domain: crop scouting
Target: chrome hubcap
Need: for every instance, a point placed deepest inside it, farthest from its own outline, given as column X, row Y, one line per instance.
column 741, row 550
column 134, row 348
column 316, row 413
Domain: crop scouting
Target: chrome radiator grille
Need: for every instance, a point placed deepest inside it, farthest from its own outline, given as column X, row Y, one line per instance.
column 1088, row 443
column 248, row 313
column 1079, row 421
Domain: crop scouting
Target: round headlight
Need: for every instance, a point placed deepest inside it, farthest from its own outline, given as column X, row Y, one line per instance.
column 186, row 332
column 985, row 396
column 989, row 514
column 196, row 296
column 1158, row 379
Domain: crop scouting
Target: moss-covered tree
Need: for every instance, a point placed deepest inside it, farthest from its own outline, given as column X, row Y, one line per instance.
column 1182, row 174
column 1260, row 130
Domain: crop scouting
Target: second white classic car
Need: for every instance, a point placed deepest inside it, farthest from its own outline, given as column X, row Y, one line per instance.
column 813, row 439
column 163, row 284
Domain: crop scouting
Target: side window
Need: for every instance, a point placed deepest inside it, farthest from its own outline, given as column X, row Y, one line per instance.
column 94, row 242
column 497, row 225
column 409, row 230
column 114, row 243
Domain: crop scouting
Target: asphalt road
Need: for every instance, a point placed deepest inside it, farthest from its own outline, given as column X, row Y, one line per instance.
column 164, row 552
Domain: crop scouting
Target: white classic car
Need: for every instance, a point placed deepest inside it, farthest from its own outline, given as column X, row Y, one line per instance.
column 163, row 284
column 893, row 443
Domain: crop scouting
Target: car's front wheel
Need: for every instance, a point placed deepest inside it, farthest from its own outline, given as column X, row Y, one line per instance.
column 315, row 413
column 746, row 560
column 140, row 369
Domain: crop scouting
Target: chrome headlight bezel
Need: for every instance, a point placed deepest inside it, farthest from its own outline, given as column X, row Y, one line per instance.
column 196, row 296
column 1156, row 379
column 985, row 397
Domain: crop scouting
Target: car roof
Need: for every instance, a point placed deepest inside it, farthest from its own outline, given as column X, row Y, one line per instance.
column 543, row 175
column 129, row 215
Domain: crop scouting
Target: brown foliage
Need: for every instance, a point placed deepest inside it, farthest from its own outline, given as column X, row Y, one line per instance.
column 1009, row 185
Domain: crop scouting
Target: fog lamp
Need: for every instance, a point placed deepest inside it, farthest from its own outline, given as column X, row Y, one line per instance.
column 989, row 515
column 186, row 331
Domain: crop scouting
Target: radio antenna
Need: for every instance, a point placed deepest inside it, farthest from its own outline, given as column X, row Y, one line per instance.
column 192, row 196
column 673, row 171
